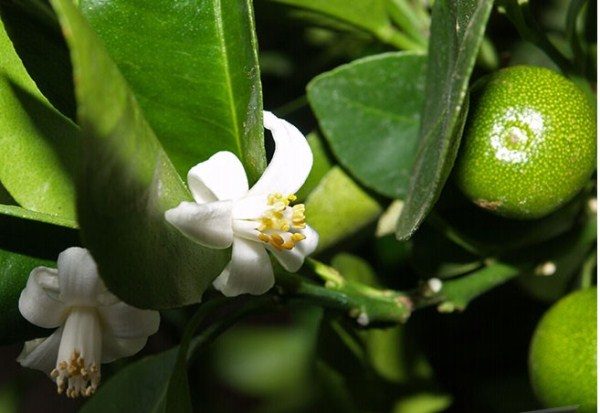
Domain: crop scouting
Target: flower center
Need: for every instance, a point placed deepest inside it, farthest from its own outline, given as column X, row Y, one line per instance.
column 77, row 371
column 280, row 222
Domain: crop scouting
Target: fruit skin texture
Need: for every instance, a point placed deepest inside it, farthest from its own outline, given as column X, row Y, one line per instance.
column 529, row 144
column 562, row 357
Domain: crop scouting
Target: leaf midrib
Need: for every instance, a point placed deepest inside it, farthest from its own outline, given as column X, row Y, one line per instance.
column 228, row 81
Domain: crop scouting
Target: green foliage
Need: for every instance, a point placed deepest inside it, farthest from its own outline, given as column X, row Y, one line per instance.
column 39, row 145
column 457, row 30
column 15, row 271
column 339, row 208
column 160, row 86
column 126, row 183
column 138, row 387
column 322, row 163
column 373, row 126
column 193, row 68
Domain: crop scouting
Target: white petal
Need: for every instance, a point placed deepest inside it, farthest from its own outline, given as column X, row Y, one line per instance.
column 250, row 207
column 293, row 259
column 39, row 306
column 115, row 348
column 291, row 162
column 41, row 353
column 207, row 224
column 78, row 277
column 248, row 272
column 221, row 177
column 124, row 321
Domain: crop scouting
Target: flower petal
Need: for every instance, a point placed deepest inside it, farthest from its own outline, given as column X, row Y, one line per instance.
column 38, row 305
column 78, row 277
column 207, row 224
column 124, row 321
column 291, row 162
column 115, row 348
column 293, row 259
column 250, row 207
column 249, row 271
column 221, row 177
column 41, row 353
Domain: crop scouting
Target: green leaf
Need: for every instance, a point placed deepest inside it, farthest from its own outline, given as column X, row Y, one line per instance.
column 14, row 271
column 369, row 111
column 355, row 268
column 339, row 208
column 126, row 184
column 39, row 145
column 322, row 163
column 457, row 29
column 139, row 387
column 34, row 30
column 264, row 361
column 425, row 402
column 23, row 213
column 193, row 68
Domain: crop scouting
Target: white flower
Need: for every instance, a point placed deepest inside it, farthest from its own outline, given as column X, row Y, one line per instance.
column 253, row 220
column 94, row 326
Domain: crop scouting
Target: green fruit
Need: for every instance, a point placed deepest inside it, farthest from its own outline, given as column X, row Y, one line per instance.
column 529, row 144
column 562, row 357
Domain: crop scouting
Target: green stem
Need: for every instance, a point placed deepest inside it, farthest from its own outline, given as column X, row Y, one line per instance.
column 389, row 35
column 449, row 232
column 291, row 106
column 587, row 271
column 366, row 305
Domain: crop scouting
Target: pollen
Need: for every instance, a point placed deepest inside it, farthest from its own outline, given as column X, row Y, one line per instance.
column 75, row 378
column 281, row 220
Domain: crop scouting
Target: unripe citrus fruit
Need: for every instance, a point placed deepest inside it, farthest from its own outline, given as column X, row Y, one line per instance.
column 562, row 357
column 529, row 144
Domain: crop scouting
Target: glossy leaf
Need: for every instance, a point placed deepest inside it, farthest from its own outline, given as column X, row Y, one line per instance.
column 35, row 33
column 137, row 388
column 17, row 211
column 373, row 126
column 193, row 68
column 126, row 184
column 24, row 245
column 339, row 208
column 39, row 145
column 14, row 271
column 457, row 29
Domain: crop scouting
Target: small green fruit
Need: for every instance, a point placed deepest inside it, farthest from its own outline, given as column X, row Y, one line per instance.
column 529, row 144
column 562, row 357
